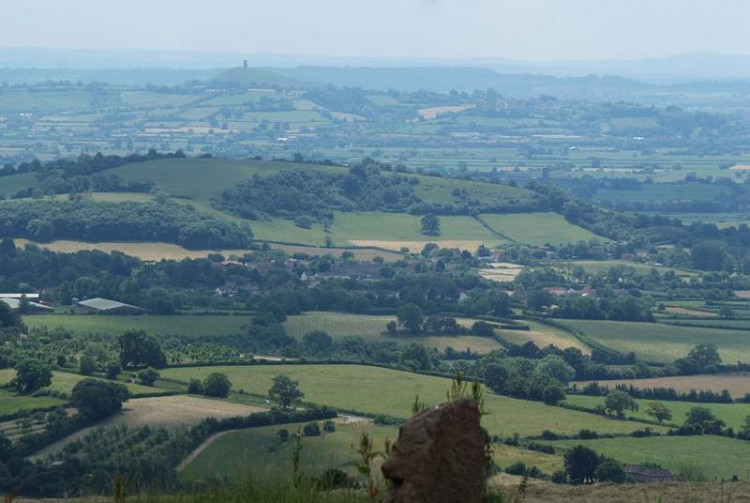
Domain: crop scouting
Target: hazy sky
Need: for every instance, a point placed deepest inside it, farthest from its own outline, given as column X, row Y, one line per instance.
column 521, row 29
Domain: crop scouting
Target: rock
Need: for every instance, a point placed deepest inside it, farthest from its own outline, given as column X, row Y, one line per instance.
column 439, row 457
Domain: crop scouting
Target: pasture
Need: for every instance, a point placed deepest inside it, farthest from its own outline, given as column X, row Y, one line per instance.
column 385, row 391
column 10, row 402
column 737, row 384
column 543, row 335
column 259, row 451
column 715, row 457
column 733, row 414
column 596, row 266
column 373, row 328
column 63, row 382
column 659, row 342
column 537, row 228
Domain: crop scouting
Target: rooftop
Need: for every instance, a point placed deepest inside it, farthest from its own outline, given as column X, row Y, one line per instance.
column 105, row 304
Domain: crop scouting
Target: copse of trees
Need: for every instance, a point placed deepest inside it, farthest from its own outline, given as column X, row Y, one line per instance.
column 98, row 221
column 286, row 391
column 32, row 375
column 97, row 399
column 138, row 349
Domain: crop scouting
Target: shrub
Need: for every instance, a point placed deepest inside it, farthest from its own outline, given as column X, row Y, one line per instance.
column 329, row 426
column 86, row 366
column 148, row 376
column 311, row 429
column 217, row 385
column 518, row 468
column 195, row 387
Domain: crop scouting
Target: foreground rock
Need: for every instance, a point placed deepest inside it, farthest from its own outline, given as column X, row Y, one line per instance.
column 439, row 457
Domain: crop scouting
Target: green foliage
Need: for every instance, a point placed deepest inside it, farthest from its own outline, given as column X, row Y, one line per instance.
column 138, row 349
column 581, row 464
column 31, row 375
column 658, row 411
column 410, row 317
column 617, row 402
column 285, row 390
column 217, row 385
column 86, row 366
column 430, row 225
column 148, row 376
column 97, row 399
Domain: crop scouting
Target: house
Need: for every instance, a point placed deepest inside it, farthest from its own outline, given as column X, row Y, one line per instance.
column 99, row 305
column 34, row 307
column 640, row 473
column 30, row 296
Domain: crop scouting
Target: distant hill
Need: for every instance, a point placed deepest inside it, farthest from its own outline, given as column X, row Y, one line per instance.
column 260, row 77
column 436, row 79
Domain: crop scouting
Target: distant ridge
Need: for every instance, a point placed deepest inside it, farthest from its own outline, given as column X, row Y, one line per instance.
column 259, row 77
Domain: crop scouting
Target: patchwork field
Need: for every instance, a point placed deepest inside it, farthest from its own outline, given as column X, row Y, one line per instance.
column 660, row 342
column 537, row 228
column 733, row 414
column 714, row 457
column 737, row 384
column 258, row 450
column 595, row 266
column 384, row 391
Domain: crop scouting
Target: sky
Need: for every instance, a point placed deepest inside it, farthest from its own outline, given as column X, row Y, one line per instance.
column 531, row 30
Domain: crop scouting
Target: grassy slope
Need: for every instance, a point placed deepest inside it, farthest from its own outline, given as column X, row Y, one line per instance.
column 538, row 228
column 392, row 392
column 663, row 343
column 188, row 325
column 9, row 185
column 63, row 382
column 372, row 328
column 716, row 457
column 11, row 403
column 732, row 414
column 258, row 450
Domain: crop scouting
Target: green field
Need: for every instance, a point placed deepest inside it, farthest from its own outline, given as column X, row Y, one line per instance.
column 163, row 325
column 733, row 414
column 714, row 457
column 384, row 391
column 258, row 450
column 11, row 403
column 9, row 185
column 543, row 335
column 372, row 328
column 200, row 179
column 596, row 266
column 538, row 228
column 660, row 342
column 63, row 382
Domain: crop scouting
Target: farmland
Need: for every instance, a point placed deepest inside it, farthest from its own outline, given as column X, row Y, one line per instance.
column 737, row 384
column 10, row 403
column 162, row 325
column 537, row 228
column 372, row 328
column 660, row 342
column 63, row 382
column 259, row 451
column 383, row 391
column 714, row 457
column 733, row 414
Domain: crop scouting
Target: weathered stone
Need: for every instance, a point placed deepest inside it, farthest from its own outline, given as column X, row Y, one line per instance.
column 439, row 457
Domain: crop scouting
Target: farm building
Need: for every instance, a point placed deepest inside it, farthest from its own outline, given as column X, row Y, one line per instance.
column 99, row 305
column 640, row 473
column 34, row 307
